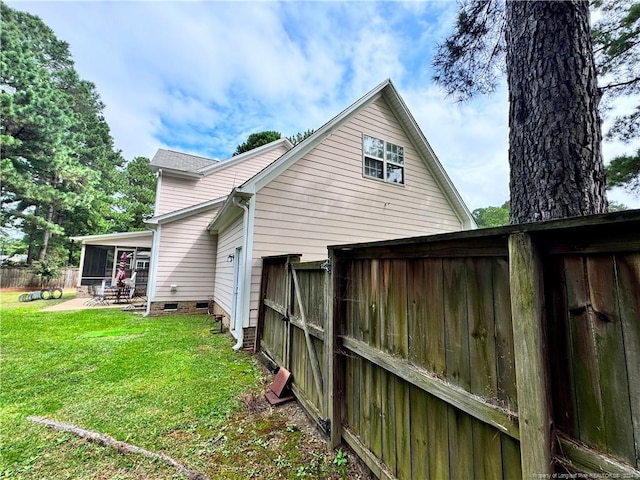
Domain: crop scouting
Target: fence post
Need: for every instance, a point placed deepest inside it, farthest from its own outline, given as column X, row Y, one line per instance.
column 527, row 308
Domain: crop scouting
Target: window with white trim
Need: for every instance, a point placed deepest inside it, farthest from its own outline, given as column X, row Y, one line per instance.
column 383, row 160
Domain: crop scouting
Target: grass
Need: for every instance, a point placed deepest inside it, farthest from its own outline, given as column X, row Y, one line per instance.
column 164, row 384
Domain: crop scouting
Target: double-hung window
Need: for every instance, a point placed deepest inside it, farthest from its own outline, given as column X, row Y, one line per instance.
column 383, row 160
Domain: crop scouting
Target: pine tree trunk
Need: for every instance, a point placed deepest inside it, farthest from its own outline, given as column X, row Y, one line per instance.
column 46, row 235
column 554, row 138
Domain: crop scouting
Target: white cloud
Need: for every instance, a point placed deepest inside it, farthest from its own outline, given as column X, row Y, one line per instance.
column 469, row 139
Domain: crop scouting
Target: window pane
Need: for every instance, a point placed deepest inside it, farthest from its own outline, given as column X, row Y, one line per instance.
column 395, row 153
column 395, row 174
column 373, row 168
column 373, row 147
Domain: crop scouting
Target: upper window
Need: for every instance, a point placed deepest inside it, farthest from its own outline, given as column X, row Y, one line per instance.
column 383, row 160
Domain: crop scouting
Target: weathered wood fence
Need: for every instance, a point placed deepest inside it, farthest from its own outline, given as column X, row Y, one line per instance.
column 502, row 353
column 23, row 277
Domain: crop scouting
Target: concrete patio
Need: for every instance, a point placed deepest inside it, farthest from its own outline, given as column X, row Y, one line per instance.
column 80, row 303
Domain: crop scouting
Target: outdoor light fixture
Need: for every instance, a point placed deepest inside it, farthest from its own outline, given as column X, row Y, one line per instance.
column 230, row 258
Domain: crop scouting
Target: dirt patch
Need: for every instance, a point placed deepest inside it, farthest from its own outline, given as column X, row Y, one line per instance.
column 297, row 443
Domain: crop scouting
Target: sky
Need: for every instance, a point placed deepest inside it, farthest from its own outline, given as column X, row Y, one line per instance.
column 199, row 77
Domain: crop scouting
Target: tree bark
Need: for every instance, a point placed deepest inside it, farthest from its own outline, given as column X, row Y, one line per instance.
column 554, row 125
column 46, row 235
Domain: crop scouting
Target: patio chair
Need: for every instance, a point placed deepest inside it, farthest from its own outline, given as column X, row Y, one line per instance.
column 97, row 296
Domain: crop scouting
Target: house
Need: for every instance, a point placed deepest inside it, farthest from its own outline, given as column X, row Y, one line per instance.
column 367, row 174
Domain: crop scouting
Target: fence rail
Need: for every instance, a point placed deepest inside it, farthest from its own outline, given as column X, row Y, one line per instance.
column 502, row 353
column 23, row 277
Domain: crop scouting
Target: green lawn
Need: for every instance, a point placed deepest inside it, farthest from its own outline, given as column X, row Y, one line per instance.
column 164, row 384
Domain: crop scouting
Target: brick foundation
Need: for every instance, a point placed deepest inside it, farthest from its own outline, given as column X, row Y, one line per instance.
column 249, row 338
column 177, row 308
column 82, row 292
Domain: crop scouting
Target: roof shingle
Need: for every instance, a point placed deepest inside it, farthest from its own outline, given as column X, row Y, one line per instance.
column 180, row 161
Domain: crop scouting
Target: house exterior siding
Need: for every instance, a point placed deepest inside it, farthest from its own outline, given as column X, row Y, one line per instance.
column 186, row 259
column 228, row 240
column 177, row 193
column 324, row 198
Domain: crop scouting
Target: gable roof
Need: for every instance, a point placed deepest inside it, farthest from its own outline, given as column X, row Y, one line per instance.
column 180, row 161
column 191, row 166
column 184, row 212
column 209, row 169
column 386, row 90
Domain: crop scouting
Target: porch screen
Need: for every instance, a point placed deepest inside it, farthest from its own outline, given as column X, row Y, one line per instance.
column 98, row 262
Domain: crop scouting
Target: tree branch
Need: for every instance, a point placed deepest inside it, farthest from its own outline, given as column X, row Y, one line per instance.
column 122, row 447
column 621, row 84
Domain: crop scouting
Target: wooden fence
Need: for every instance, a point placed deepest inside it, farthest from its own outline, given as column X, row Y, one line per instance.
column 23, row 277
column 502, row 353
column 293, row 317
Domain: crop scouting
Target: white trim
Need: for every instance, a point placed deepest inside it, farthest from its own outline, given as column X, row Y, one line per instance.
column 173, row 172
column 229, row 212
column 83, row 249
column 209, row 169
column 114, row 236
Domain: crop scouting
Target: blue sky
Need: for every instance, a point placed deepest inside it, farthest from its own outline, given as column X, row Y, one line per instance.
column 199, row 77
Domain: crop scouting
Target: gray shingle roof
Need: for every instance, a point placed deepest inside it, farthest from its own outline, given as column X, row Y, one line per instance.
column 180, row 161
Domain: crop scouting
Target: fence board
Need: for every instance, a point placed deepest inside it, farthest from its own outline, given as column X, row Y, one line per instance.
column 505, row 357
column 628, row 281
column 607, row 328
column 527, row 305
column 487, row 452
column 389, row 421
column 471, row 404
column 420, row 419
column 455, row 317
column 24, row 278
column 403, row 428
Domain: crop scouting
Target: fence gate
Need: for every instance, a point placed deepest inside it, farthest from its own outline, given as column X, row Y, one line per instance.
column 294, row 314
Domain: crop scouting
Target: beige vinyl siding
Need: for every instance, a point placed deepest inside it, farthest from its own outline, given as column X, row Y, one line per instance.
column 177, row 193
column 324, row 198
column 228, row 240
column 187, row 259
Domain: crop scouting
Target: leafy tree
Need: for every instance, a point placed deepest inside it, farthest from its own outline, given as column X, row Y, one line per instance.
column 617, row 206
column 256, row 140
column 300, row 137
column 624, row 171
column 547, row 51
column 47, row 269
column 617, row 51
column 492, row 216
column 58, row 162
column 139, row 193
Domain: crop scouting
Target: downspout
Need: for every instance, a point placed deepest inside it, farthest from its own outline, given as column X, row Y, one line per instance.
column 153, row 268
column 245, row 232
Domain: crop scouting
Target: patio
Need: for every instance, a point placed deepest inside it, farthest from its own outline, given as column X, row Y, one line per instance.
column 80, row 303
